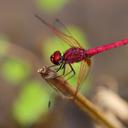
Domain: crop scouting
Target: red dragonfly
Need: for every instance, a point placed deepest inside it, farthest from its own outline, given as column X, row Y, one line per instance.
column 76, row 53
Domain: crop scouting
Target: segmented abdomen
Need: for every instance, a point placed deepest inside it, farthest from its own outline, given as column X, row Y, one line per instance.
column 93, row 51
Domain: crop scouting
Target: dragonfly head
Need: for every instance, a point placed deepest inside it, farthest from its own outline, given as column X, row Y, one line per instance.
column 56, row 58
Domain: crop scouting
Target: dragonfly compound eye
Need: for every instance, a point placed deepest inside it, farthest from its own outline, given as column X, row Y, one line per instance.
column 56, row 58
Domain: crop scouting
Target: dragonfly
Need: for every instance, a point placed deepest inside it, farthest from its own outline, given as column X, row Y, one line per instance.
column 76, row 53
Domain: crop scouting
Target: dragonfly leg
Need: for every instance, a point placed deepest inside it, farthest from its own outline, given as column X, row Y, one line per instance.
column 64, row 68
column 52, row 66
column 68, row 73
column 72, row 70
column 61, row 67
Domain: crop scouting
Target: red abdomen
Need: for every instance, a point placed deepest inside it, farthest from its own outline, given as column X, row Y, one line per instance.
column 73, row 55
column 93, row 51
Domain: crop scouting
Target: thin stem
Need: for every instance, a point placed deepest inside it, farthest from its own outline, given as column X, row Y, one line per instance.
column 81, row 101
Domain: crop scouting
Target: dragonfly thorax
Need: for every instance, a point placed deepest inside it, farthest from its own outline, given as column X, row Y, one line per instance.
column 73, row 55
column 56, row 58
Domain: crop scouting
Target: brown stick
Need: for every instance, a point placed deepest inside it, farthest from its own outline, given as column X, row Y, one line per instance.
column 80, row 100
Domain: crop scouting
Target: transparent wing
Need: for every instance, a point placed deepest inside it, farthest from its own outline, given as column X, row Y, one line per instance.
column 60, row 24
column 68, row 39
column 58, row 91
column 83, row 73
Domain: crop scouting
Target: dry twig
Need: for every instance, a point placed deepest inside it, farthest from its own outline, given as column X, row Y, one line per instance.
column 60, row 84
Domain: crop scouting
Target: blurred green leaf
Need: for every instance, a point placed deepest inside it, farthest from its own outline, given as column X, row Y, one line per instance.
column 54, row 44
column 32, row 103
column 15, row 70
column 52, row 5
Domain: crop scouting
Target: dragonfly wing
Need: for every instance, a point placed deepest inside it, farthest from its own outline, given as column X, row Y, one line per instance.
column 66, row 34
column 68, row 39
column 56, row 89
column 63, row 95
column 83, row 73
column 60, row 24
